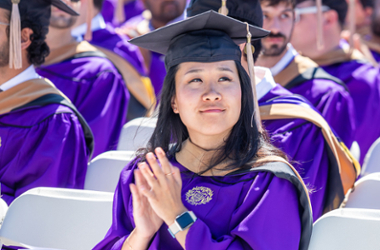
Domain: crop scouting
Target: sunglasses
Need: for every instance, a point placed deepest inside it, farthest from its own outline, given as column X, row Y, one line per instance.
column 308, row 10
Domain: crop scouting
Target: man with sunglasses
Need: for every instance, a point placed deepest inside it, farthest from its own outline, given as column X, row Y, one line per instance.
column 88, row 78
column 44, row 141
column 338, row 59
column 301, row 75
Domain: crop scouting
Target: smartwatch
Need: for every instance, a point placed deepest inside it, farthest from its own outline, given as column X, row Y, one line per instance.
column 182, row 222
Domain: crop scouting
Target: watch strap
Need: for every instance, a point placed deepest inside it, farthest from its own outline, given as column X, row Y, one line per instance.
column 176, row 228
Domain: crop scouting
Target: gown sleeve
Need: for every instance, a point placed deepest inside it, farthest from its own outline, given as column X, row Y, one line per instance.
column 52, row 153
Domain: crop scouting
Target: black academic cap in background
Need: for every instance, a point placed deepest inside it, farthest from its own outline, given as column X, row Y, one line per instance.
column 244, row 10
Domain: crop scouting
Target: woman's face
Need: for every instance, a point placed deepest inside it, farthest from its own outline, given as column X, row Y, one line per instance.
column 208, row 97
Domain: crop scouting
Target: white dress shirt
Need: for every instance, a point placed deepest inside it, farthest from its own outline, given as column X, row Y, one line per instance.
column 28, row 74
column 97, row 23
column 267, row 82
column 289, row 56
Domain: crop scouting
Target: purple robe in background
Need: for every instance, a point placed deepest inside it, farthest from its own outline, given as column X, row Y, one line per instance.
column 131, row 9
column 335, row 104
column 41, row 147
column 363, row 82
column 107, row 38
column 254, row 210
column 304, row 144
column 329, row 95
column 376, row 55
column 157, row 73
column 98, row 91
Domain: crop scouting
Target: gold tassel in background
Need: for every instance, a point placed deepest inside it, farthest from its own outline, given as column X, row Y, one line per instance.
column 90, row 13
column 223, row 10
column 15, row 56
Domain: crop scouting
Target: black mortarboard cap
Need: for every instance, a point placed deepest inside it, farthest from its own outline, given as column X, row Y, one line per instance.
column 36, row 10
column 244, row 10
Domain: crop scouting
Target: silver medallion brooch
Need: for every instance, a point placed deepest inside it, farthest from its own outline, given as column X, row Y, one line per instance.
column 199, row 196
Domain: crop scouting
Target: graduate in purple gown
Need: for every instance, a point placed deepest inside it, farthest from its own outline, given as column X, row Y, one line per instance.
column 216, row 187
column 361, row 78
column 125, row 56
column 44, row 141
column 372, row 38
column 88, row 79
column 300, row 137
column 131, row 8
column 159, row 13
column 301, row 75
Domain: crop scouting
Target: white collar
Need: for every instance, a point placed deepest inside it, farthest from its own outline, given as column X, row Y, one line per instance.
column 28, row 74
column 97, row 23
column 285, row 60
column 267, row 82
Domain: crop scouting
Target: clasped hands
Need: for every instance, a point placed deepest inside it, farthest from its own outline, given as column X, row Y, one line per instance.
column 156, row 194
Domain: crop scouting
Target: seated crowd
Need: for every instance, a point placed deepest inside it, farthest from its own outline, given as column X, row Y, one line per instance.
column 258, row 103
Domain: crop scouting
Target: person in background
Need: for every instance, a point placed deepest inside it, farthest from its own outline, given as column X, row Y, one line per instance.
column 372, row 38
column 116, row 12
column 88, row 79
column 158, row 14
column 125, row 56
column 337, row 59
column 301, row 137
column 44, row 140
column 301, row 75
column 209, row 178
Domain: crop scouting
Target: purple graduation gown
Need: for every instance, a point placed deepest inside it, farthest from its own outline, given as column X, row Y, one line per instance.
column 304, row 144
column 107, row 38
column 96, row 88
column 250, row 211
column 334, row 102
column 363, row 83
column 131, row 9
column 157, row 70
column 41, row 147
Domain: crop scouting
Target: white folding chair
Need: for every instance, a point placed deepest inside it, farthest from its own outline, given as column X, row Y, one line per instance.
column 348, row 229
column 136, row 133
column 3, row 210
column 103, row 172
column 372, row 159
column 58, row 219
column 365, row 194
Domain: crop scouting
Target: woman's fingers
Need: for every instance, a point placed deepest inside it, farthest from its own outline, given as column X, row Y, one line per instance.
column 148, row 175
column 135, row 197
column 153, row 163
column 165, row 164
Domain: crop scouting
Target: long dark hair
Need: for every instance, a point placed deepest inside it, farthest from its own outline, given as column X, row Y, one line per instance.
column 243, row 146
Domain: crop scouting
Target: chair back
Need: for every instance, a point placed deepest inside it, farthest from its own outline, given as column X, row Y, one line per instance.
column 103, row 172
column 348, row 229
column 57, row 218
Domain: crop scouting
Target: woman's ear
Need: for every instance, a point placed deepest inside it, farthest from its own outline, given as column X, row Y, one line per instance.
column 174, row 105
column 25, row 38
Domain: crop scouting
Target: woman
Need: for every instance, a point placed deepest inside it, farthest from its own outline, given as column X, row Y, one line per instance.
column 213, row 181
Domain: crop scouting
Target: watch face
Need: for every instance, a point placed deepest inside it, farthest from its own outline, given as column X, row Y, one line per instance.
column 184, row 220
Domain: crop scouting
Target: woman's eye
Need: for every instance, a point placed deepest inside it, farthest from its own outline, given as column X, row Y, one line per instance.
column 224, row 79
column 196, row 80
column 285, row 16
